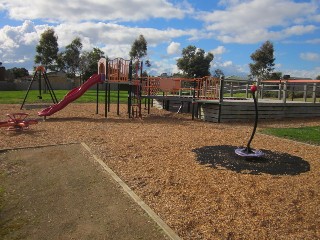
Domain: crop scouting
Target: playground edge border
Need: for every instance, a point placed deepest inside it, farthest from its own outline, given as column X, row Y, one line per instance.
column 169, row 232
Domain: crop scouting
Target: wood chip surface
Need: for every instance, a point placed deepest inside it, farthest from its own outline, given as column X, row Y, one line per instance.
column 159, row 157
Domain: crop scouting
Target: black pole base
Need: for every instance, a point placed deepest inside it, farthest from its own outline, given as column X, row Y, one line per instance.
column 249, row 152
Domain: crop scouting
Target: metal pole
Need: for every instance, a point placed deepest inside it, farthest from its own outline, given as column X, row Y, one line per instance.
column 97, row 100
column 40, row 97
column 109, row 96
column 149, row 93
column 24, row 100
column 106, row 100
column 255, row 122
column 130, row 88
column 49, row 86
column 193, row 98
column 118, row 100
column 106, row 91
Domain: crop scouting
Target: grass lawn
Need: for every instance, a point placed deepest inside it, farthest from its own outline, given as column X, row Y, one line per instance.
column 303, row 134
column 16, row 97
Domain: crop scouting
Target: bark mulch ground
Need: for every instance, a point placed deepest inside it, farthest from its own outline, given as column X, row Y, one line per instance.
column 187, row 172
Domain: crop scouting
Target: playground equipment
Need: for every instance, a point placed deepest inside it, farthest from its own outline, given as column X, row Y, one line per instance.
column 18, row 122
column 117, row 71
column 71, row 96
column 121, row 76
column 40, row 74
column 126, row 75
column 247, row 151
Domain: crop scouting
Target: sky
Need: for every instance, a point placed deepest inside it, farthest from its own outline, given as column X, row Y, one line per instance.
column 230, row 29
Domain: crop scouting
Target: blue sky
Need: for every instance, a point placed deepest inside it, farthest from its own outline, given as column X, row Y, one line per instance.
column 230, row 29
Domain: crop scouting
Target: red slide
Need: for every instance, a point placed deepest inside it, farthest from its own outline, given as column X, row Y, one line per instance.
column 71, row 96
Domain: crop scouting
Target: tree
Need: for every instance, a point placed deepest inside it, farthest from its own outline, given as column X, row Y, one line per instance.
column 88, row 64
column 218, row 73
column 194, row 62
column 47, row 50
column 60, row 62
column 139, row 48
column 263, row 61
column 276, row 75
column 318, row 77
column 71, row 57
column 15, row 72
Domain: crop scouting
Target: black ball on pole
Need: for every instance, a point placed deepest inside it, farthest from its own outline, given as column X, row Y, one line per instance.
column 247, row 151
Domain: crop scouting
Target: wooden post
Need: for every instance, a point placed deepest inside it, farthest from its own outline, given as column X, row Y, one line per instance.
column 220, row 97
column 284, row 97
column 292, row 91
column 221, row 89
column 314, row 91
column 305, row 89
column 247, row 92
column 261, row 90
column 163, row 101
column 231, row 89
column 279, row 91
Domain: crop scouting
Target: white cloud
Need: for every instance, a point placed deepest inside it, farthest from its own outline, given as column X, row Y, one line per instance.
column 252, row 21
column 173, row 48
column 229, row 68
column 76, row 11
column 312, row 73
column 98, row 24
column 17, row 44
column 218, row 50
column 168, row 66
column 111, row 33
column 299, row 30
column 310, row 56
column 316, row 18
column 314, row 41
column 226, row 64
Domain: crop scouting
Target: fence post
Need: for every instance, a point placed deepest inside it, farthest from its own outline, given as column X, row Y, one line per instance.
column 284, row 99
column 314, row 91
column 231, row 89
column 247, row 92
column 220, row 97
column 221, row 89
column 261, row 90
column 279, row 91
column 305, row 88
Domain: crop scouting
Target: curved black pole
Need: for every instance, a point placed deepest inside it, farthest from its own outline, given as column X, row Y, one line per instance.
column 248, row 149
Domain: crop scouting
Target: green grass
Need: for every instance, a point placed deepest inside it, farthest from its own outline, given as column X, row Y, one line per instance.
column 16, row 97
column 303, row 134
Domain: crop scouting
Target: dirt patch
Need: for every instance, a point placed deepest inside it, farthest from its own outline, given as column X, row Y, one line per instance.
column 59, row 193
column 157, row 158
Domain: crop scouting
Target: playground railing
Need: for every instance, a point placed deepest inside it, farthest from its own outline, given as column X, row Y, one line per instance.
column 295, row 90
